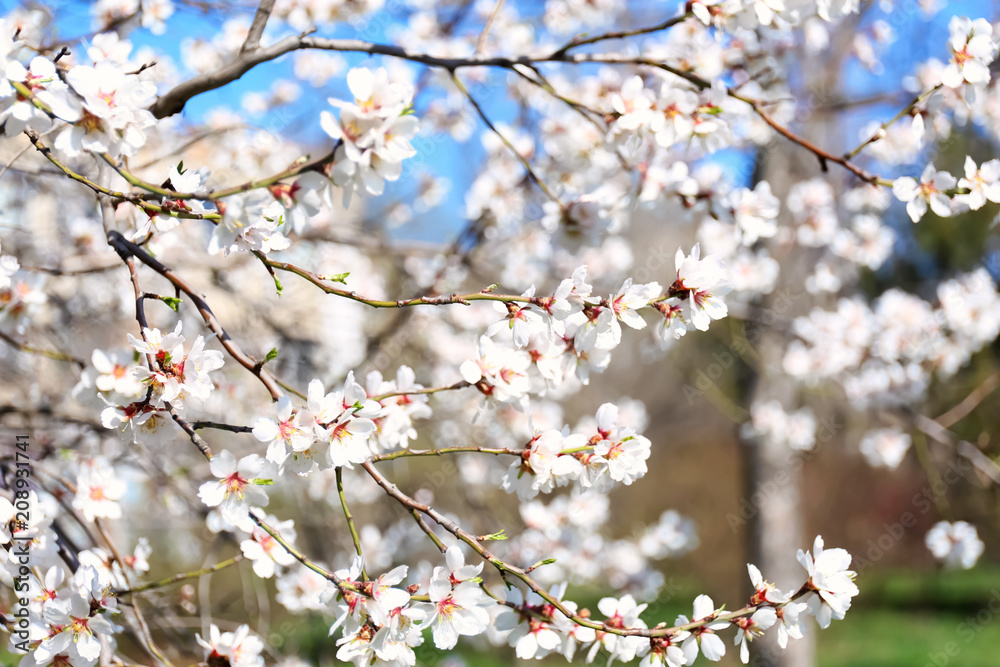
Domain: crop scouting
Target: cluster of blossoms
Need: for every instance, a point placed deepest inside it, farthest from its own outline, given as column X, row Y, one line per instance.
column 972, row 51
column 72, row 616
column 343, row 427
column 373, row 137
column 937, row 189
column 637, row 157
column 172, row 378
column 373, row 132
column 104, row 106
column 381, row 622
column 543, row 341
column 103, row 109
column 885, row 352
column 614, row 453
column 955, row 544
column 673, row 116
column 70, row 613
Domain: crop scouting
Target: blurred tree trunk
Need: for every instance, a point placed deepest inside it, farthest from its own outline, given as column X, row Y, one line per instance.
column 773, row 487
column 772, row 470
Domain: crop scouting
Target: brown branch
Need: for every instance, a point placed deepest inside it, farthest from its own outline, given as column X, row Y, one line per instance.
column 174, row 100
column 126, row 248
column 464, row 299
column 257, row 27
column 55, row 271
column 824, row 156
column 198, row 441
column 620, row 34
column 232, row 428
column 522, row 574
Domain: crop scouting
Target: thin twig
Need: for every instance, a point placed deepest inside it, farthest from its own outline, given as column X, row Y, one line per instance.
column 183, row 576
column 506, row 142
column 51, row 354
column 484, row 35
column 969, row 403
column 147, row 637
column 198, row 441
column 350, row 521
column 465, row 299
column 232, row 428
column 422, row 392
column 407, row 453
column 620, row 34
column 850, row 155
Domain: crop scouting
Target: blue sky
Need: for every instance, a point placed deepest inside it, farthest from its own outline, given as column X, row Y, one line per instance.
column 453, row 160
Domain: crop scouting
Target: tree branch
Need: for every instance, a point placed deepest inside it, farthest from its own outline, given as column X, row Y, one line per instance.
column 51, row 354
column 350, row 521
column 126, row 248
column 258, row 25
column 658, row 631
column 184, row 576
column 970, row 402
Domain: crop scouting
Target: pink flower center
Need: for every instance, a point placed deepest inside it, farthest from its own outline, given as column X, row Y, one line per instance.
column 235, row 485
column 288, row 430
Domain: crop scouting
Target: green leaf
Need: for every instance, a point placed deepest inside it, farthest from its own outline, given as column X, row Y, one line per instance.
column 338, row 278
column 277, row 285
column 171, row 301
column 263, row 482
column 495, row 536
column 272, row 355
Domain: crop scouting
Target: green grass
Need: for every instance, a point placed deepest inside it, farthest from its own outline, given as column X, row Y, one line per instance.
column 919, row 619
column 890, row 638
